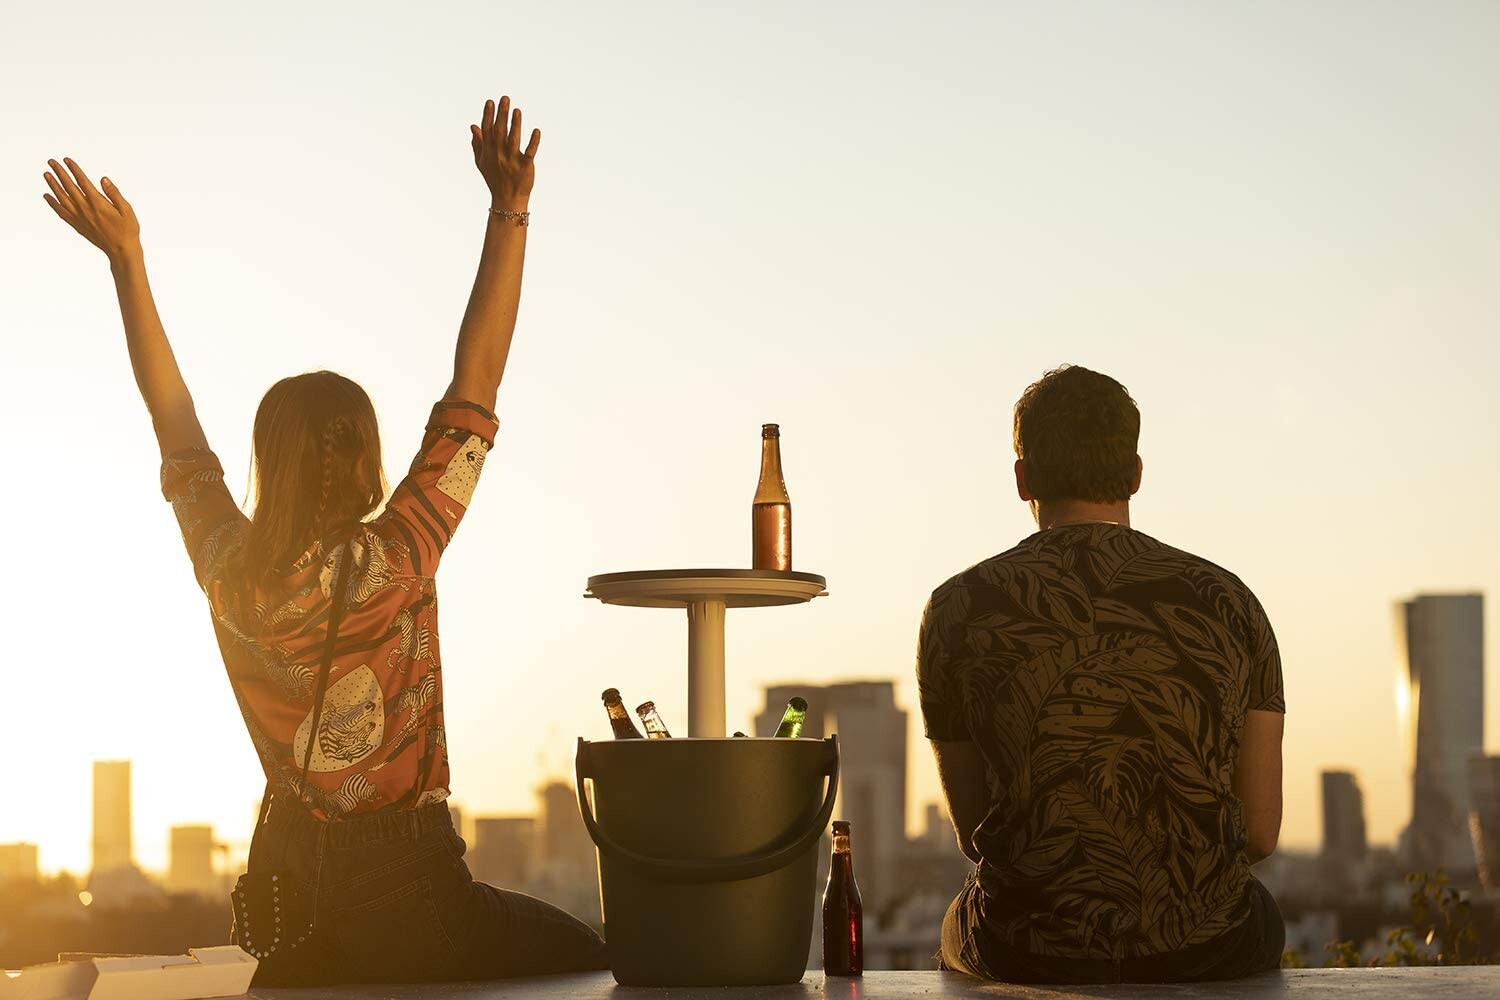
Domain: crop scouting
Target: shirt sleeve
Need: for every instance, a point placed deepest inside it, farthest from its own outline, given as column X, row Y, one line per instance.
column 192, row 480
column 426, row 506
column 942, row 714
column 1266, row 692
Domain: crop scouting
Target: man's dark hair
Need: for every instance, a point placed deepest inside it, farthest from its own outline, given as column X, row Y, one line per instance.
column 1076, row 431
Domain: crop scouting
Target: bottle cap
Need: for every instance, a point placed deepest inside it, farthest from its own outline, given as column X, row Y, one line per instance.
column 841, row 828
column 770, row 430
column 645, row 707
column 610, row 694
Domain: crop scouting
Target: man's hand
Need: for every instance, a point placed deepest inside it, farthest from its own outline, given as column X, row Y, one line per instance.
column 505, row 167
column 105, row 220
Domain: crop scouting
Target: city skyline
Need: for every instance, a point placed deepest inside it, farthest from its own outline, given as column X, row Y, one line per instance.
column 874, row 781
column 1285, row 251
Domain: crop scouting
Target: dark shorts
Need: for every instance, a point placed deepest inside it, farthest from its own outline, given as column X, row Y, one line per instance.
column 1253, row 946
column 396, row 904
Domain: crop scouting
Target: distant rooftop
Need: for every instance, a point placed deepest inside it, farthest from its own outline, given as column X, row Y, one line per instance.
column 1288, row 984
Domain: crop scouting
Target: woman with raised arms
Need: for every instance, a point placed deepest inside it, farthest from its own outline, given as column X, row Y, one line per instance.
column 327, row 622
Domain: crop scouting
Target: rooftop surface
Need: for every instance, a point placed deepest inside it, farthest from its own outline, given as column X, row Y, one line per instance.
column 1288, row 984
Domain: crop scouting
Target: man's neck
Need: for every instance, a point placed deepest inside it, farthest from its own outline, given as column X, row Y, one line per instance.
column 1056, row 513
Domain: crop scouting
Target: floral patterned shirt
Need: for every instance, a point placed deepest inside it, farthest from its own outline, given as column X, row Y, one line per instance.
column 380, row 743
column 1104, row 678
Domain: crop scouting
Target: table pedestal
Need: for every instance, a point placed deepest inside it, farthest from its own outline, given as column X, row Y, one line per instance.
column 706, row 594
column 706, row 668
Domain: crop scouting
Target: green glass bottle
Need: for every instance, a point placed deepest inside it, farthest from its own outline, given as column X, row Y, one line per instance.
column 793, row 720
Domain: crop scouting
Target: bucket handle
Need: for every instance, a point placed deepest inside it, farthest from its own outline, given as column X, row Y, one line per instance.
column 719, row 869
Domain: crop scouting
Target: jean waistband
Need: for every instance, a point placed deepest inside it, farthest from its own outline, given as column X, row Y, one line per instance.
column 358, row 830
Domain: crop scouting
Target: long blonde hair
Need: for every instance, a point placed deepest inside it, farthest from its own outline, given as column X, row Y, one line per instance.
column 316, row 470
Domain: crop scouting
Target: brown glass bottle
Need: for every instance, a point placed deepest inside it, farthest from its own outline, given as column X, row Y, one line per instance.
column 843, row 915
column 619, row 719
column 771, row 512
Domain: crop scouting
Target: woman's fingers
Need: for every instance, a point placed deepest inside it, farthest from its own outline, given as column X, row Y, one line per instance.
column 115, row 197
column 69, row 186
column 534, row 144
column 58, row 190
column 89, row 191
column 514, row 137
column 487, row 119
column 56, row 207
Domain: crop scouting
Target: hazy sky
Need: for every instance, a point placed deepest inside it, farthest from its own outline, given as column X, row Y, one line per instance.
column 874, row 223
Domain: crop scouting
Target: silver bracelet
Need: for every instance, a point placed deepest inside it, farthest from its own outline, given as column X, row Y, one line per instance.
column 521, row 218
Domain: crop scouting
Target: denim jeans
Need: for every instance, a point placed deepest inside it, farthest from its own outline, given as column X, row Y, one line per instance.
column 396, row 904
column 1253, row 946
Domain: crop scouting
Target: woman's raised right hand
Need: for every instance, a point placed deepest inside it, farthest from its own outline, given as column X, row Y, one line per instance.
column 504, row 165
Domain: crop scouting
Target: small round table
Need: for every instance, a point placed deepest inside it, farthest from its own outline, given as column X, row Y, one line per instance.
column 706, row 594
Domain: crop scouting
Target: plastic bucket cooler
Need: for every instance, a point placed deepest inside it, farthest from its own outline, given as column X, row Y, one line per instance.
column 708, row 855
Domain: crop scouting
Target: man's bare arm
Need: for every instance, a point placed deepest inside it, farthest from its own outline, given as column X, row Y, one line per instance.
column 966, row 789
column 490, row 320
column 1257, row 781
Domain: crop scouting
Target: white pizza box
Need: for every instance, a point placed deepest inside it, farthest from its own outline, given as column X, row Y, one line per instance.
column 54, row 981
column 223, row 971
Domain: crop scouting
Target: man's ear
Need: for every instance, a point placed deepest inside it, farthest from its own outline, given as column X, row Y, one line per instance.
column 1136, row 484
column 1021, row 490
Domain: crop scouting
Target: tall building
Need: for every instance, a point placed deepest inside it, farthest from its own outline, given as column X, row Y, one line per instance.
column 502, row 850
column 563, row 841
column 872, row 777
column 1442, row 637
column 1484, row 817
column 112, row 847
column 18, row 863
column 565, row 868
column 190, row 864
column 1343, row 817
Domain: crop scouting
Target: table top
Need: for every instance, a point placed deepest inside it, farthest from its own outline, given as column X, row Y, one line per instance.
column 679, row 588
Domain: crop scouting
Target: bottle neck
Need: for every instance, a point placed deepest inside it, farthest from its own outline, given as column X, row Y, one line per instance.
column 772, row 485
column 840, row 845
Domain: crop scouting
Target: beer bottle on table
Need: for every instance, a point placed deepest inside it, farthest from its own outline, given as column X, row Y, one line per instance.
column 843, row 915
column 793, row 720
column 651, row 719
column 771, row 512
column 619, row 719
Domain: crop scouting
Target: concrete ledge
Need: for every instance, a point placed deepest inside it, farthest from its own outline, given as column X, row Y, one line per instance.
column 1367, row 984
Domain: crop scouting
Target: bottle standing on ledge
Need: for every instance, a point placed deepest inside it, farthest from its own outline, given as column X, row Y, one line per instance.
column 843, row 915
column 771, row 513
column 651, row 719
column 619, row 719
column 791, row 722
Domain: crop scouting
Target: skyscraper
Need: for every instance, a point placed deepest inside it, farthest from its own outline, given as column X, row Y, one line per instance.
column 563, row 841
column 872, row 779
column 1442, row 637
column 503, row 846
column 1343, row 817
column 112, row 847
column 1484, row 817
column 190, row 867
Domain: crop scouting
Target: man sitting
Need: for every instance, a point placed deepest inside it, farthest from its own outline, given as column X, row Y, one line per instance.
column 1106, row 712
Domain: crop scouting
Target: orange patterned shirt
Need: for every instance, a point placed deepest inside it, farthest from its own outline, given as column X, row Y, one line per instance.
column 380, row 743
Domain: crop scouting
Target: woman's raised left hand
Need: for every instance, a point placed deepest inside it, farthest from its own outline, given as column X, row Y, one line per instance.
column 104, row 219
